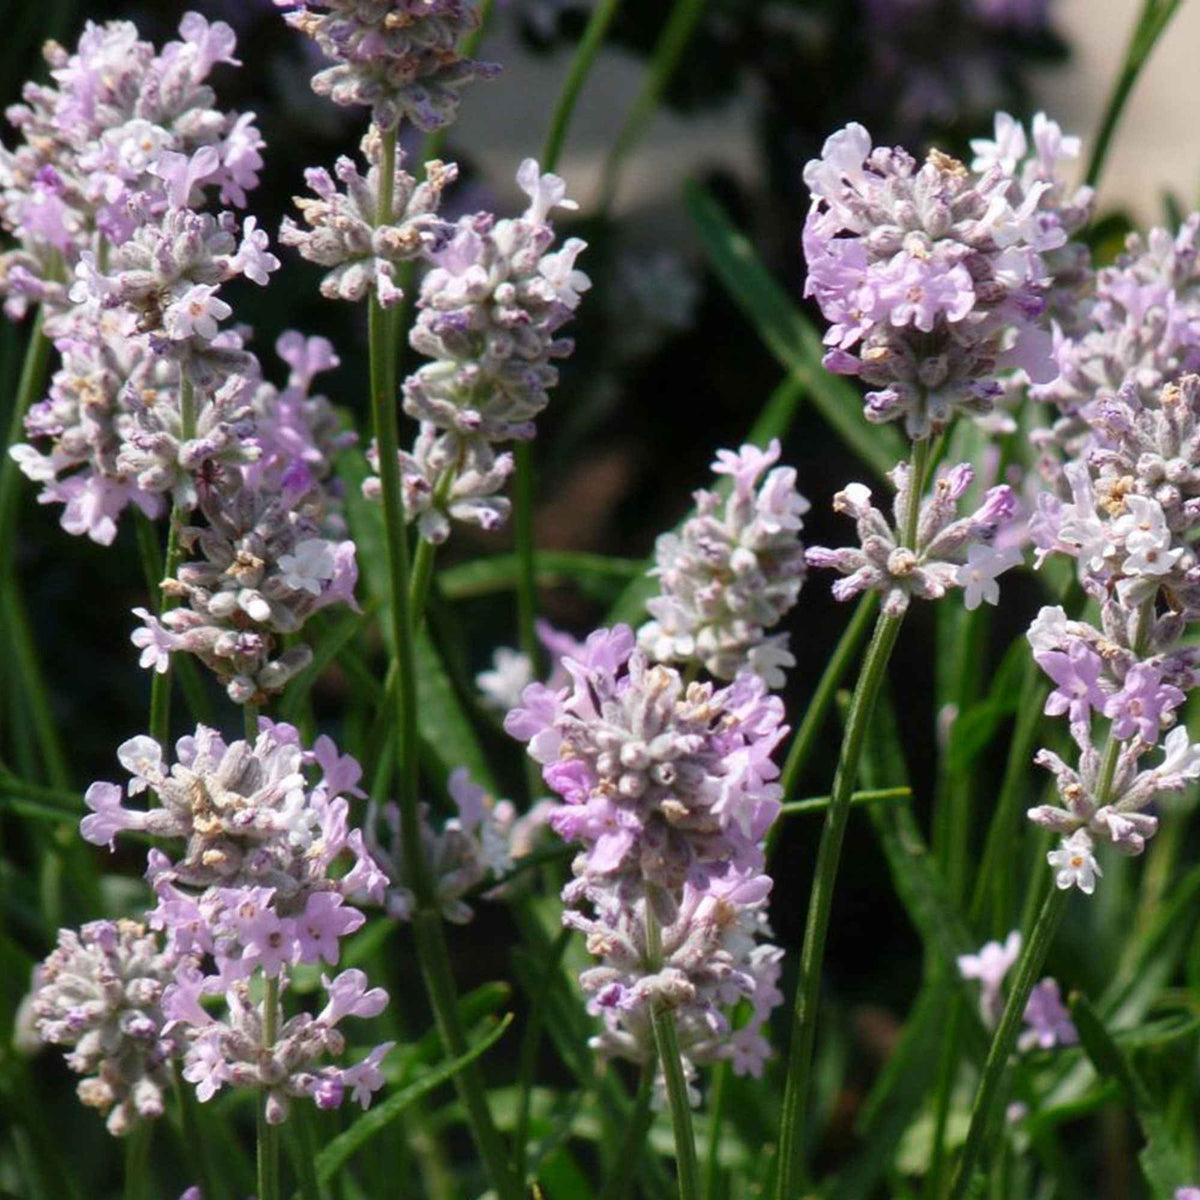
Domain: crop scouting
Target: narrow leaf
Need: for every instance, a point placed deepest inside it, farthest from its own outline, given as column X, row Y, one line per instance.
column 787, row 334
column 376, row 1119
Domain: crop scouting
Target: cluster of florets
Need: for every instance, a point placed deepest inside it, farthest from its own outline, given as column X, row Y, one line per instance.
column 98, row 147
column 230, row 1051
column 100, row 992
column 934, row 277
column 361, row 246
column 491, row 308
column 670, row 788
column 710, row 961
column 731, row 573
column 250, row 814
column 1135, row 673
column 253, row 892
column 950, row 551
column 478, row 844
column 400, row 57
column 1135, row 502
column 1134, row 498
column 1047, row 1022
column 1137, row 329
column 152, row 393
column 262, row 570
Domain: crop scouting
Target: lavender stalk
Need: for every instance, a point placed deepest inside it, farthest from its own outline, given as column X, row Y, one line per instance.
column 431, row 945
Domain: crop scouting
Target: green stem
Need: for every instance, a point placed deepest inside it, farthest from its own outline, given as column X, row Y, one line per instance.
column 530, row 1042
column 1028, row 968
column 716, row 1119
column 37, row 698
column 439, row 984
column 430, row 938
column 862, row 706
column 822, row 700
column 30, row 384
column 1032, row 960
column 250, row 723
column 947, row 1074
column 20, row 635
column 821, row 803
column 577, row 73
column 267, row 1158
column 137, row 1160
column 1154, row 18
column 160, row 685
column 663, row 1021
column 617, row 1186
column 192, row 1136
column 681, row 24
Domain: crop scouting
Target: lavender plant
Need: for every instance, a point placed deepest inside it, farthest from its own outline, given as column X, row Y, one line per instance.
column 263, row 918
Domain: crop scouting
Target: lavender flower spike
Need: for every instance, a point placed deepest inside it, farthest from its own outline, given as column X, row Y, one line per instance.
column 361, row 246
column 936, row 563
column 731, row 573
column 100, row 992
column 398, row 56
column 933, row 277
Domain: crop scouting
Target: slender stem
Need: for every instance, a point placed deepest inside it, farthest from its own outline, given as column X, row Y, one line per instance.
column 439, row 983
column 250, row 722
column 617, row 1186
column 527, row 1060
column 192, row 1136
column 681, row 24
column 663, row 1020
column 716, row 1119
column 160, row 684
column 30, row 384
column 36, row 696
column 947, row 1074
column 1028, row 969
column 267, row 1158
column 1032, row 960
column 822, row 700
column 20, row 635
column 1154, row 18
column 523, row 487
column 137, row 1160
column 430, row 938
column 821, row 803
column 862, row 706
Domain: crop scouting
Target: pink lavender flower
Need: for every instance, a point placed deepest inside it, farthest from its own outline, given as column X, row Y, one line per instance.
column 731, row 573
column 1076, row 676
column 397, row 56
column 935, row 564
column 117, row 121
column 469, row 849
column 670, row 789
column 934, row 271
column 1047, row 1020
column 490, row 312
column 229, row 1051
column 249, row 815
column 990, row 966
column 361, row 246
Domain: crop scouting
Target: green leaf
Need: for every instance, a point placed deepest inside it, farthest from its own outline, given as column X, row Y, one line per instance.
column 445, row 727
column 1159, row 1159
column 336, row 638
column 376, row 1119
column 788, row 335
